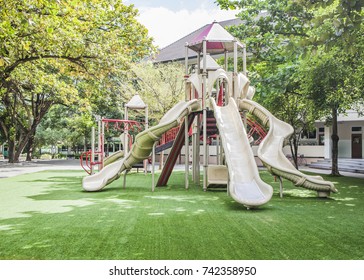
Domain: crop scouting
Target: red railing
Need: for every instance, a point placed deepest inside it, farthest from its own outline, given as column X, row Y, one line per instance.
column 256, row 129
column 86, row 157
column 169, row 136
column 123, row 124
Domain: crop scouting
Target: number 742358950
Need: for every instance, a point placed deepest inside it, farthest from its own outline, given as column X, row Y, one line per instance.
column 229, row 270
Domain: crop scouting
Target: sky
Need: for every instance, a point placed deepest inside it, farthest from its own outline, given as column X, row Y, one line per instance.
column 170, row 20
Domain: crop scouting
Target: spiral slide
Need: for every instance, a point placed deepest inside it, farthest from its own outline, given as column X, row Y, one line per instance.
column 271, row 154
column 142, row 146
column 245, row 186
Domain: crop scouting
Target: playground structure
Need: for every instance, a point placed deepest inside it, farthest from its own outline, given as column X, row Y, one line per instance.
column 211, row 89
column 97, row 156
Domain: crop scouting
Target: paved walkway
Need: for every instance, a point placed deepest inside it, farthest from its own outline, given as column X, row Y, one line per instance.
column 10, row 170
column 14, row 169
column 323, row 171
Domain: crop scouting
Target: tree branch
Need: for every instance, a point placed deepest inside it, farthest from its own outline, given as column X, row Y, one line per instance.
column 76, row 60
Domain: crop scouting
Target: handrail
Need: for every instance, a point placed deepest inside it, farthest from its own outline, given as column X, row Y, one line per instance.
column 256, row 128
column 88, row 161
column 171, row 135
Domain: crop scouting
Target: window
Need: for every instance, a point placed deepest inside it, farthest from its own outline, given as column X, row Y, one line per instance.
column 356, row 129
column 306, row 134
column 321, row 136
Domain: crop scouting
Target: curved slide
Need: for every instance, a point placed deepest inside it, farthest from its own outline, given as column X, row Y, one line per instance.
column 245, row 185
column 271, row 154
column 114, row 157
column 142, row 146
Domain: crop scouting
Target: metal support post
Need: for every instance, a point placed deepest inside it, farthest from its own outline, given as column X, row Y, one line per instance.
column 244, row 60
column 126, row 133
column 280, row 187
column 92, row 149
column 187, row 97
column 186, row 154
column 153, row 164
column 99, row 143
column 145, row 162
column 204, row 76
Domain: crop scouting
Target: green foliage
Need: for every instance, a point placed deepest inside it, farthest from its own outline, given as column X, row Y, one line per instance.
column 75, row 31
column 305, row 54
column 161, row 86
column 61, row 52
column 326, row 81
column 64, row 126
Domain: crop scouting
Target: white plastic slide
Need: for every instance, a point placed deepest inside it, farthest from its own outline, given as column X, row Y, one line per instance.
column 245, row 186
column 142, row 146
column 271, row 154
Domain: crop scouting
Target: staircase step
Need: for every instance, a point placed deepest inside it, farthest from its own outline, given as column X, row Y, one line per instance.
column 346, row 165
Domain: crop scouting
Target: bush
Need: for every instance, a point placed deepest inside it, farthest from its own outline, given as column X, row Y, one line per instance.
column 60, row 156
column 46, row 156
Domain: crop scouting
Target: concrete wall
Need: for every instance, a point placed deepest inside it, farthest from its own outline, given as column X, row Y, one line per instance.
column 345, row 132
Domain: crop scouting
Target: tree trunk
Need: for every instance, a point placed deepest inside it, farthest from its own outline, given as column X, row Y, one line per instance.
column 335, row 144
column 11, row 152
column 85, row 143
column 29, row 147
column 294, row 147
column 294, row 140
column 23, row 140
column 20, row 147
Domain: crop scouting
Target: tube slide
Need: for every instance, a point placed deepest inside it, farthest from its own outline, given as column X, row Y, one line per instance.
column 142, row 147
column 271, row 154
column 245, row 186
column 114, row 157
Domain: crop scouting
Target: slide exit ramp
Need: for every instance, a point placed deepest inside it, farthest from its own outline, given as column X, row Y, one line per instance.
column 245, row 185
column 271, row 154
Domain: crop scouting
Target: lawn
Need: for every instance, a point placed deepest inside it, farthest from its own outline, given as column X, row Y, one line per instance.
column 47, row 215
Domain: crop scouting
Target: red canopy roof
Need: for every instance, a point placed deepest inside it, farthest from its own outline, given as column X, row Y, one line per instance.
column 218, row 40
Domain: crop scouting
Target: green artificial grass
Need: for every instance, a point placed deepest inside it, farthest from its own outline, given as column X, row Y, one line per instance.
column 47, row 215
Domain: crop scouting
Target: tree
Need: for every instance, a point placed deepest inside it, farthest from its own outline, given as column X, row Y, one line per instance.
column 64, row 126
column 50, row 47
column 161, row 84
column 283, row 32
column 325, row 80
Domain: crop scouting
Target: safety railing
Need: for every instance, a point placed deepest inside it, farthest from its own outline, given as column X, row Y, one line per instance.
column 86, row 161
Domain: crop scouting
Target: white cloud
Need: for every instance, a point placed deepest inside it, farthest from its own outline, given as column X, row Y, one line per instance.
column 167, row 26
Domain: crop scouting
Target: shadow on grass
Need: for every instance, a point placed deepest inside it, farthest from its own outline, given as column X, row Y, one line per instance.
column 234, row 206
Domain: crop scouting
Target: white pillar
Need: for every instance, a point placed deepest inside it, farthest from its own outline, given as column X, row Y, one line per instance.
column 328, row 142
column 235, row 74
column 102, row 142
column 235, row 56
column 126, row 140
column 244, row 60
column 196, row 153
column 145, row 162
column 153, row 164
column 204, row 76
column 92, row 149
column 186, row 153
column 99, row 135
column 99, row 143
column 226, row 61
column 186, row 58
column 186, row 122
